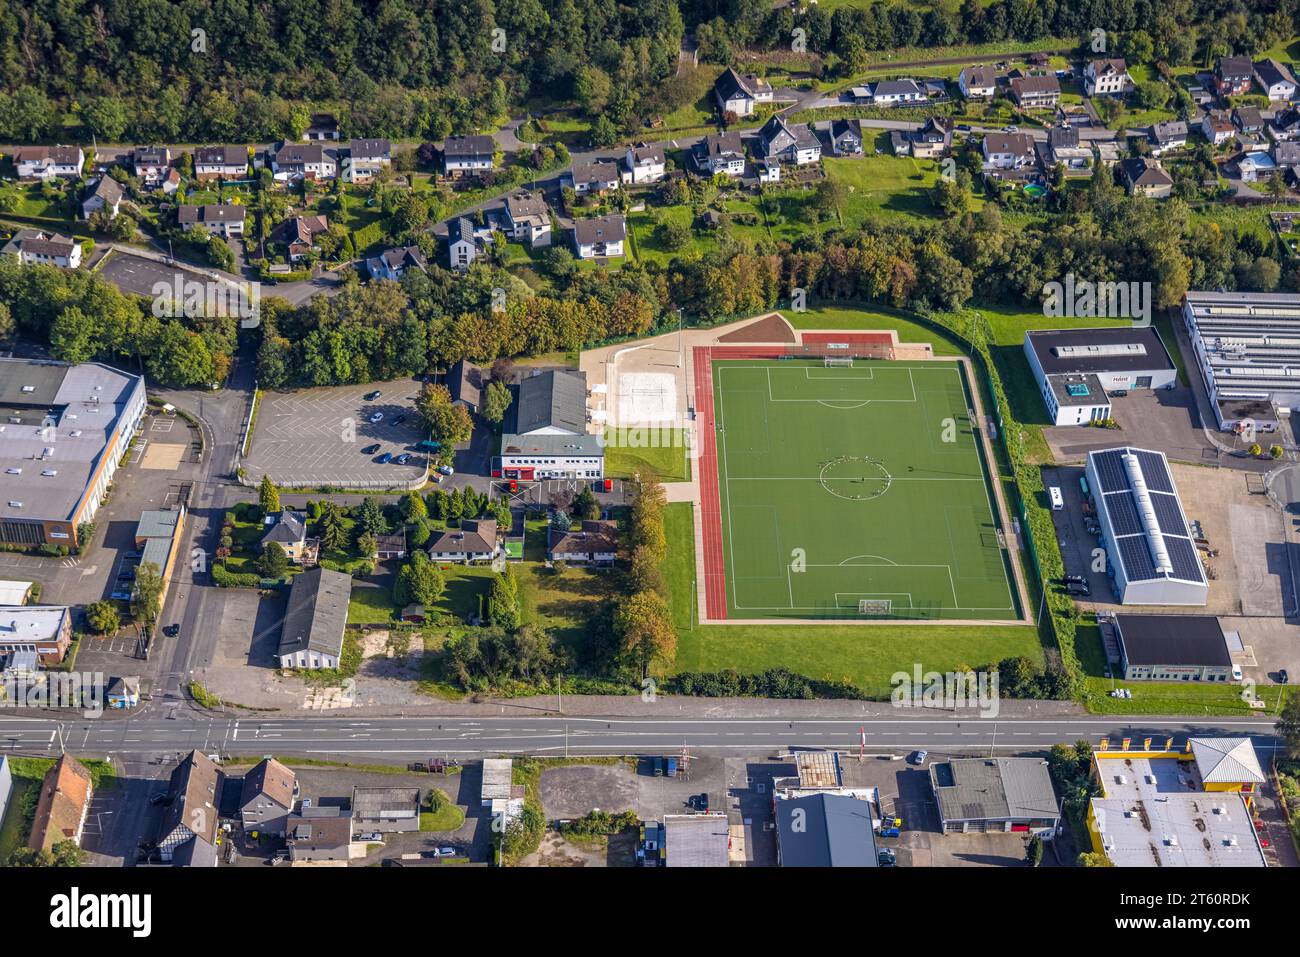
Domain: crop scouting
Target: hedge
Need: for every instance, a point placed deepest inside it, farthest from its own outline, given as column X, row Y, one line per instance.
column 229, row 579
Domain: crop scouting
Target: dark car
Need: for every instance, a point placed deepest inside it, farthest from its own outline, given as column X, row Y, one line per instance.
column 1078, row 590
column 698, row 802
column 385, row 458
column 1074, row 579
column 1119, row 393
column 886, row 857
column 171, row 631
column 403, row 458
column 398, row 419
column 372, row 396
column 370, row 449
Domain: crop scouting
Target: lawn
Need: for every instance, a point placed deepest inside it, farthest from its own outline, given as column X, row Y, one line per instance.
column 863, row 655
column 875, row 317
column 871, row 478
column 884, row 186
column 449, row 817
column 668, row 461
column 371, row 606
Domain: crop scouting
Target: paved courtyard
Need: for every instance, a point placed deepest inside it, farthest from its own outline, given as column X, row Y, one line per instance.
column 139, row 275
column 315, row 437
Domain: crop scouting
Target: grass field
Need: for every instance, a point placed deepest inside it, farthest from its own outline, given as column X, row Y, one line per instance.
column 843, row 485
column 670, row 462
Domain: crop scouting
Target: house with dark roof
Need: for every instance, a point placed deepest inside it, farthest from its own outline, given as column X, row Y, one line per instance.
column 475, row 541
column 151, row 164
column 266, row 797
column 220, row 162
column 1284, row 126
column 35, row 247
column 466, row 383
column 1008, row 151
column 1275, row 79
column 528, row 218
column 225, row 220
column 1248, row 119
column 1217, row 127
column 553, row 403
column 298, row 235
column 321, row 127
column 977, row 82
column 463, row 243
column 788, row 143
column 599, row 177
column 545, row 433
column 1107, row 77
column 318, row 834
column 902, row 92
column 106, row 193
column 1173, row 648
column 1233, row 75
column 468, row 155
column 719, row 153
column 645, row 164
column 844, row 137
column 982, row 795
column 1063, row 148
column 314, row 621
column 1145, row 177
column 933, row 139
column 740, row 94
column 825, row 830
column 49, row 162
column 1035, row 92
column 62, row 805
column 194, row 810
column 288, row 529
column 294, row 162
column 366, row 159
column 391, row 545
column 591, row 542
column 393, row 263
column 1167, row 135
column 599, row 237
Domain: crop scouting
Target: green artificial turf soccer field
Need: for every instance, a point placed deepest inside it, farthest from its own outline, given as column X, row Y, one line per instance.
column 840, row 485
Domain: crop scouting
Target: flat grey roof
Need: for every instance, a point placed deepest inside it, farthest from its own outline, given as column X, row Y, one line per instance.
column 696, row 840
column 512, row 444
column 1172, row 640
column 994, row 789
column 1122, row 349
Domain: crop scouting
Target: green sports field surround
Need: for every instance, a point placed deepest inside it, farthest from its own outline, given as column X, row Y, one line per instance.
column 842, row 485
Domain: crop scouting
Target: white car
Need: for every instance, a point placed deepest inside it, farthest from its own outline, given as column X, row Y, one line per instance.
column 377, row 417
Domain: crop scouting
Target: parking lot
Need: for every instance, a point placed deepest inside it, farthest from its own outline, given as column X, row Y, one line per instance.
column 140, row 275
column 1165, row 420
column 316, row 437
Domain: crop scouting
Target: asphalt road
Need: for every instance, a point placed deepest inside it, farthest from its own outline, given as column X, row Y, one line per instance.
column 404, row 738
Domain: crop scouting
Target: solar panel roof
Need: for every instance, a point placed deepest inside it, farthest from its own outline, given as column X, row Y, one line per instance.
column 1169, row 514
column 1136, row 556
column 1124, row 514
column 1110, row 469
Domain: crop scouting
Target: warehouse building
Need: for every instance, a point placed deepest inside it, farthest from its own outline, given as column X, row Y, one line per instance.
column 546, row 431
column 1173, row 648
column 1150, row 555
column 63, row 430
column 1247, row 345
column 994, row 794
column 825, row 830
column 1076, row 369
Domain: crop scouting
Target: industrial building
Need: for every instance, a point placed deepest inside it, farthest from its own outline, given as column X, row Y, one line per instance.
column 1168, row 808
column 1172, row 648
column 697, row 840
column 825, row 830
column 546, row 431
column 64, row 430
column 1150, row 555
column 994, row 794
column 1076, row 369
column 1247, row 345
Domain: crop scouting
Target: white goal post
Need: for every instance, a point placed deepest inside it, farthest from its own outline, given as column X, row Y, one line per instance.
column 875, row 606
column 834, row 361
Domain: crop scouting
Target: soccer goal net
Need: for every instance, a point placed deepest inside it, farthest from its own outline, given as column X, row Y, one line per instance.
column 844, row 362
column 875, row 606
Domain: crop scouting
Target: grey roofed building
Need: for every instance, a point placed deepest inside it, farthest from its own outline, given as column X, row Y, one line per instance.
column 107, row 189
column 318, row 834
column 289, row 528
column 315, row 619
column 211, row 213
column 466, row 385
column 554, row 444
column 221, row 156
column 476, row 538
column 696, row 840
column 994, row 794
column 369, row 149
column 386, row 809
column 266, row 796
column 833, row 830
column 195, row 852
column 554, row 402
column 1142, row 173
column 599, row 229
column 195, row 789
column 1271, row 73
column 1168, row 132
column 1116, row 349
column 462, row 146
column 1179, row 641
column 1286, row 153
column 1226, row 760
column 596, row 175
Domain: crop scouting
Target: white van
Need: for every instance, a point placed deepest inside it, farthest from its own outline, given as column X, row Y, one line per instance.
column 1058, row 502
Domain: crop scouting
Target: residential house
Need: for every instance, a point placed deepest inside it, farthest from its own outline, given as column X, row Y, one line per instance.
column 1108, row 152
column 298, row 235
column 391, row 545
column 645, row 164
column 366, row 159
column 220, row 162
column 322, row 127
column 1145, row 177
column 289, row 531
column 314, row 620
column 466, row 384
column 600, row 237
column 393, row 263
column 192, row 815
column 43, row 629
column 224, row 221
column 903, row 92
column 1256, row 167
column 39, row 248
column 977, row 82
column 720, row 153
column 1107, row 78
column 1217, row 127
column 1286, row 156
column 171, row 182
column 1284, row 126
column 1167, row 135
column 318, row 834
column 1275, row 79
column 1064, row 149
column 844, row 137
column 932, row 139
column 463, row 245
column 49, row 162
column 741, row 94
column 475, row 541
column 266, row 798
column 769, row 171
column 468, row 155
column 785, row 143
column 1035, row 92
column 599, row 177
column 529, row 218
column 593, row 542
column 1008, row 151
column 62, row 806
column 1248, row 119
column 294, row 162
column 151, row 164
column 1233, row 75
column 387, row 810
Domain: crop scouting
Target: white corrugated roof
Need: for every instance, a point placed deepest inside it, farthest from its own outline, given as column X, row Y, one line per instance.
column 1226, row 760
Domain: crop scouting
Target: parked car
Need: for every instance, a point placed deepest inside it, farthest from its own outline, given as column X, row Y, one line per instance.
column 385, row 458
column 698, row 802
column 887, row 829
column 159, row 798
column 398, row 420
column 403, row 458
column 918, row 757
column 370, row 449
column 171, row 631
column 1078, row 590
column 1076, row 579
column 447, row 852
column 372, row 396
column 370, row 837
column 887, row 858
column 377, row 417
column 446, row 470
column 1119, row 393
column 659, row 767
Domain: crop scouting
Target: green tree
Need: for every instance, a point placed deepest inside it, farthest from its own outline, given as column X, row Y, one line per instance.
column 645, row 627
column 333, row 530
column 370, row 516
column 503, row 603
column 449, row 423
column 1034, row 852
column 146, row 597
column 367, row 545
column 103, row 617
column 73, row 336
column 268, row 496
column 419, row 581
column 1288, row 725
column 496, row 402
column 273, row 562
column 412, row 507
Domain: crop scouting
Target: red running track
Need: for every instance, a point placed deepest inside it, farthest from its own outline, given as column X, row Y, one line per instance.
column 715, row 571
